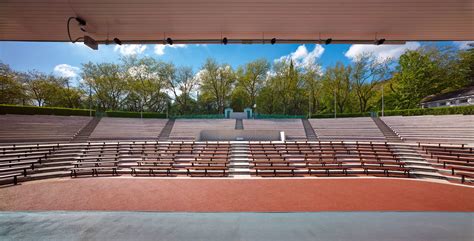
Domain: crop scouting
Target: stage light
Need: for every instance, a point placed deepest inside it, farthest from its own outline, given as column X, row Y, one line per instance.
column 225, row 41
column 328, row 41
column 117, row 41
column 379, row 41
column 169, row 41
column 273, row 41
column 91, row 43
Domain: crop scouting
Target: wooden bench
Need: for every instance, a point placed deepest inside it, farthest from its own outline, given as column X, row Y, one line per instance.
column 96, row 163
column 95, row 170
column 386, row 169
column 16, row 168
column 275, row 168
column 464, row 175
column 189, row 169
column 14, row 175
column 152, row 169
column 328, row 168
column 464, row 169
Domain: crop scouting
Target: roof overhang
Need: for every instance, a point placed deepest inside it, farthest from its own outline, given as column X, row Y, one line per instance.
column 240, row 21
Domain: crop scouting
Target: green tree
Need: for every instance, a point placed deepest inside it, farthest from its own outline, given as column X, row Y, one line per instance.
column 217, row 82
column 367, row 72
column 108, row 83
column 11, row 88
column 251, row 78
column 182, row 86
column 336, row 84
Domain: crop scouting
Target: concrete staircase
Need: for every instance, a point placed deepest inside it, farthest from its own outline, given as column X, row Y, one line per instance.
column 389, row 134
column 166, row 131
column 239, row 166
column 308, row 129
column 419, row 167
column 239, row 124
column 84, row 133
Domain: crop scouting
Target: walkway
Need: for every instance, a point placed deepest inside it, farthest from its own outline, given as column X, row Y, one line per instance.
column 355, row 226
column 237, row 195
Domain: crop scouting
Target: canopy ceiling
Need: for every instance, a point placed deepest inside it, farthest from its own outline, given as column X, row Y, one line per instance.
column 206, row 20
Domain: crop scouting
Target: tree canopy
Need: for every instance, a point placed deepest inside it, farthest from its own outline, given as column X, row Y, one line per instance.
column 279, row 87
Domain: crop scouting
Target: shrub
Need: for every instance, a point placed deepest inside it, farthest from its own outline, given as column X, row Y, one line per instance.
column 462, row 110
column 341, row 115
column 130, row 114
column 277, row 116
column 35, row 110
column 205, row 116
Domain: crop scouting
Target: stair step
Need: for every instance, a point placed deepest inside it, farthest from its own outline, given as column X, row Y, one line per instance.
column 84, row 133
column 166, row 131
column 308, row 129
column 239, row 124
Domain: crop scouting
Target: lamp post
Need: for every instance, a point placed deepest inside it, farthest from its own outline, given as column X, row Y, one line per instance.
column 90, row 100
column 382, row 102
column 335, row 105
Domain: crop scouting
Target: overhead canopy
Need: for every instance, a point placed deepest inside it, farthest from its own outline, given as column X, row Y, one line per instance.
column 206, row 20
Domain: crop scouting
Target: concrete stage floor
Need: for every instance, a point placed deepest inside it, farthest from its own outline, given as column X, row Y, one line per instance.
column 236, row 195
column 325, row 226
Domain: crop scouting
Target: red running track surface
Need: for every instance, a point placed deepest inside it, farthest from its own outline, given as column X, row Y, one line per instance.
column 237, row 195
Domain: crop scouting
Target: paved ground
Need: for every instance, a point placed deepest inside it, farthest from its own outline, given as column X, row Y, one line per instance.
column 232, row 195
column 327, row 226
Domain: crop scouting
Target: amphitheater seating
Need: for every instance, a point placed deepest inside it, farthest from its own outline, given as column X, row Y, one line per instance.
column 334, row 158
column 128, row 129
column 205, row 159
column 451, row 159
column 189, row 129
column 433, row 129
column 347, row 129
column 40, row 128
column 293, row 128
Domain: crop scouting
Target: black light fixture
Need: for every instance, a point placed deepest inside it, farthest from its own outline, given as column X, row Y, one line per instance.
column 379, row 41
column 328, row 41
column 82, row 23
column 117, row 41
column 169, row 41
column 273, row 41
column 225, row 41
column 91, row 43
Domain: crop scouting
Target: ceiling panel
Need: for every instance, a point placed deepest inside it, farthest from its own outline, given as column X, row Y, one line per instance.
column 136, row 21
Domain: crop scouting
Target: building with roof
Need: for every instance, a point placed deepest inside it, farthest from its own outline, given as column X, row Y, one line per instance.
column 461, row 97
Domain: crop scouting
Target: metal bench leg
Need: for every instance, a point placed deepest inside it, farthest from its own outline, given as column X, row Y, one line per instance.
column 15, row 180
column 462, row 178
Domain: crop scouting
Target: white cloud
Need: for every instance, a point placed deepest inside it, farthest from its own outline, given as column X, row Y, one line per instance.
column 130, row 49
column 302, row 57
column 381, row 52
column 66, row 70
column 160, row 48
column 464, row 44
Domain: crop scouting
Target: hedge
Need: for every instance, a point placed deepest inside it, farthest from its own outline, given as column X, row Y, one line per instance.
column 276, row 116
column 130, row 114
column 205, row 116
column 35, row 110
column 341, row 115
column 463, row 110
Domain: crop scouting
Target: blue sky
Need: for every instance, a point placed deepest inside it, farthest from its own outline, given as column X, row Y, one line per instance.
column 66, row 58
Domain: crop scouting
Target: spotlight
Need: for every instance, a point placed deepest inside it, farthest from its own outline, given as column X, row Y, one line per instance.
column 328, row 41
column 273, row 41
column 225, row 41
column 379, row 41
column 169, row 41
column 82, row 23
column 91, row 43
column 117, row 41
